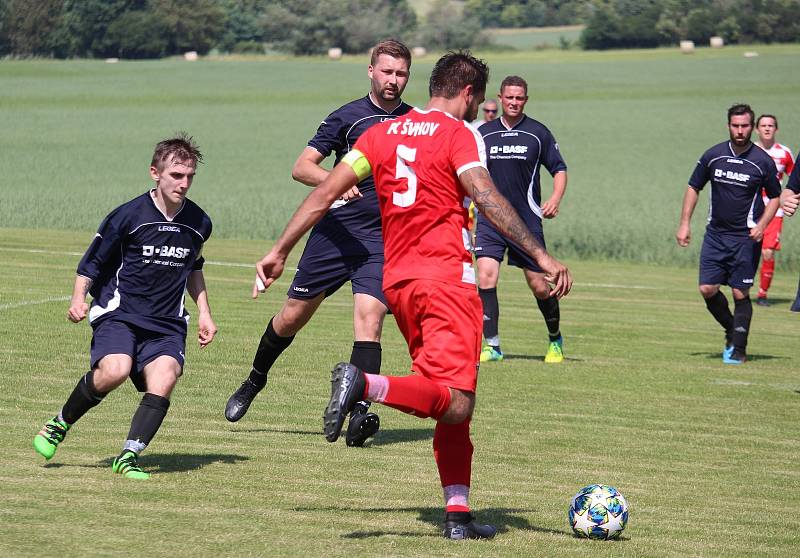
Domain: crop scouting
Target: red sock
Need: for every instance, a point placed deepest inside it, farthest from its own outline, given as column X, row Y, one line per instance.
column 414, row 395
column 767, row 271
column 452, row 450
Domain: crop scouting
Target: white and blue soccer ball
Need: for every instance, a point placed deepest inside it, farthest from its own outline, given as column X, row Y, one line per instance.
column 598, row 511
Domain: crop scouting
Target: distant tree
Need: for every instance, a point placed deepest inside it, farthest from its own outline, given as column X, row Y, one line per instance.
column 603, row 30
column 243, row 24
column 311, row 27
column 446, row 26
column 83, row 26
column 139, row 34
column 29, row 27
column 191, row 24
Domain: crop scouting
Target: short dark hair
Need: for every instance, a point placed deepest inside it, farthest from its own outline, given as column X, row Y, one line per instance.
column 774, row 118
column 179, row 148
column 454, row 71
column 739, row 109
column 393, row 48
column 514, row 81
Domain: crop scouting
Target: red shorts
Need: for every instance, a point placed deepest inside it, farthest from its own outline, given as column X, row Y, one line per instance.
column 442, row 324
column 772, row 235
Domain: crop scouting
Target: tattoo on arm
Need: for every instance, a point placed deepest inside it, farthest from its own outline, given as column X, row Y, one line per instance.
column 498, row 210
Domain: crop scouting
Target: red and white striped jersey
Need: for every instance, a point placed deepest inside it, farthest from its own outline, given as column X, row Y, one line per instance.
column 784, row 161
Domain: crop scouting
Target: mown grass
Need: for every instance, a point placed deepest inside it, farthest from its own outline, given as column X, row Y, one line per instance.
column 705, row 453
column 78, row 135
column 532, row 38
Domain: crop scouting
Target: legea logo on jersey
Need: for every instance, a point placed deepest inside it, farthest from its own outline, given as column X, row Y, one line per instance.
column 166, row 251
column 169, row 228
column 730, row 175
column 506, row 149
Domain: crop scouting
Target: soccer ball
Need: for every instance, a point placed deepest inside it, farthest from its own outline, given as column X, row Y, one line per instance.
column 598, row 511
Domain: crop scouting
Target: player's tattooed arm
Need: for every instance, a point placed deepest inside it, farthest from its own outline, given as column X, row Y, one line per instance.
column 499, row 211
column 78, row 308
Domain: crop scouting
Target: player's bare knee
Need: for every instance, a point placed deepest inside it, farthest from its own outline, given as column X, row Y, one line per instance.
column 111, row 372
column 708, row 290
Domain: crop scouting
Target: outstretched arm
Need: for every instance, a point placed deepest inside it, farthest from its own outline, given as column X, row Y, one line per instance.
column 499, row 211
column 308, row 170
column 206, row 328
column 316, row 204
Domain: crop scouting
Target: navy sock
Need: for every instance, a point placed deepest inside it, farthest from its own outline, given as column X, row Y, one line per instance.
column 366, row 355
column 491, row 313
column 742, row 314
column 82, row 398
column 552, row 316
column 146, row 421
column 718, row 306
column 269, row 349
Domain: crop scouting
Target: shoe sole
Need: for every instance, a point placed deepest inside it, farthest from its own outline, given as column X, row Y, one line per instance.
column 335, row 413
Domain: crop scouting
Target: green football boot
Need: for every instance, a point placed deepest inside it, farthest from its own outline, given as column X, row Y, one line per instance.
column 491, row 354
column 555, row 352
column 48, row 438
column 127, row 465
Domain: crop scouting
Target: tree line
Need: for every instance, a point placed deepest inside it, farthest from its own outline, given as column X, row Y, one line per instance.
column 157, row 28
column 652, row 23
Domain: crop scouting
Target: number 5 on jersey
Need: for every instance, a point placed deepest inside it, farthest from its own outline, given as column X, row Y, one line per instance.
column 405, row 155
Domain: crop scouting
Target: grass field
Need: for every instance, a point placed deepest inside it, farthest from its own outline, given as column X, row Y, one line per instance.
column 705, row 453
column 535, row 37
column 78, row 135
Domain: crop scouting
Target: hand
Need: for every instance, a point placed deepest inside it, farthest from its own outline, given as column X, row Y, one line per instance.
column 268, row 269
column 683, row 236
column 206, row 330
column 558, row 275
column 352, row 194
column 550, row 208
column 789, row 202
column 77, row 311
column 757, row 233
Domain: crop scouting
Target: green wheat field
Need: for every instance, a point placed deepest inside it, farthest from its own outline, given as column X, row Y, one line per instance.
column 707, row 455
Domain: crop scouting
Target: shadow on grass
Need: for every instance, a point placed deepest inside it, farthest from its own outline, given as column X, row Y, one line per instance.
column 165, row 462
column 504, row 519
column 384, row 437
column 540, row 358
column 180, row 462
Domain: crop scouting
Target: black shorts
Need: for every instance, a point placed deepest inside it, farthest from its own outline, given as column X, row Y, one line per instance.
column 489, row 243
column 727, row 259
column 323, row 269
column 113, row 336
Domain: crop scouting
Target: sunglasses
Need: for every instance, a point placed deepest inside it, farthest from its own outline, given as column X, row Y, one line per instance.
column 490, row 110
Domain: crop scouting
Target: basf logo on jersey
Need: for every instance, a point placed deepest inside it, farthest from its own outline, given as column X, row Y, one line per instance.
column 508, row 149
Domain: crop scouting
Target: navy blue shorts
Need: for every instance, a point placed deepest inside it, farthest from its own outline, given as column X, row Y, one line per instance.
column 489, row 243
column 117, row 337
column 321, row 270
column 727, row 259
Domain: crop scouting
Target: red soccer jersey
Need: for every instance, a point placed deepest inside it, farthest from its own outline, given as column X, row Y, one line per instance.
column 416, row 160
column 784, row 162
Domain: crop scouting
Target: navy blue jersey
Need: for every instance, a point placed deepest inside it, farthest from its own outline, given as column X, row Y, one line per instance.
column 794, row 177
column 514, row 158
column 139, row 263
column 736, row 181
column 353, row 227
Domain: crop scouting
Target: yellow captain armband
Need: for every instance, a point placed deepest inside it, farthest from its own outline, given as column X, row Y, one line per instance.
column 356, row 161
